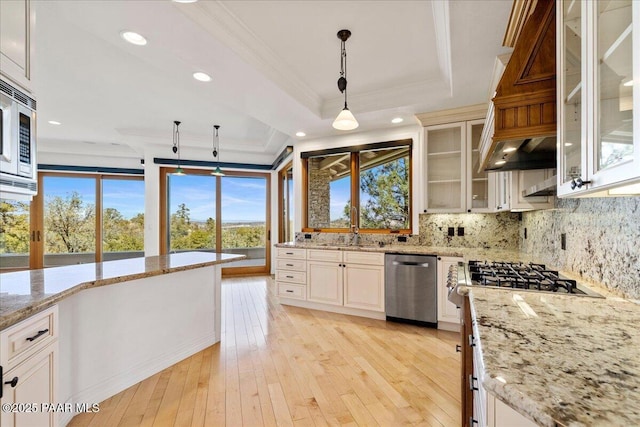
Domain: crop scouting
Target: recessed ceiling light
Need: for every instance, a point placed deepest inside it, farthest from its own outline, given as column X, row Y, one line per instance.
column 509, row 149
column 500, row 162
column 133, row 38
column 203, row 77
column 301, row 134
column 568, row 144
column 53, row 122
column 397, row 120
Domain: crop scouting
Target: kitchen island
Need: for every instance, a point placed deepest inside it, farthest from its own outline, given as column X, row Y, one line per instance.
column 559, row 359
column 113, row 323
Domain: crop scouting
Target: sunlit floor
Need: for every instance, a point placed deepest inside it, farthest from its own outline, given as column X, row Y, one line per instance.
column 282, row 365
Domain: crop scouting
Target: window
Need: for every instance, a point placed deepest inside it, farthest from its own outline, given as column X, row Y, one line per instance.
column 14, row 234
column 366, row 186
column 87, row 218
column 227, row 214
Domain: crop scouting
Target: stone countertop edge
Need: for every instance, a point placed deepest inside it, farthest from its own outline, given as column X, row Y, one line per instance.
column 14, row 316
column 509, row 395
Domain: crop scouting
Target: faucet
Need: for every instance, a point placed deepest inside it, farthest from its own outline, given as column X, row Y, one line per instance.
column 354, row 226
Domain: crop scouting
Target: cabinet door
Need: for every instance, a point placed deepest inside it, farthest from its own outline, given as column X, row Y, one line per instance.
column 445, row 165
column 521, row 180
column 36, row 384
column 324, row 282
column 16, row 19
column 364, row 286
column 478, row 194
column 447, row 311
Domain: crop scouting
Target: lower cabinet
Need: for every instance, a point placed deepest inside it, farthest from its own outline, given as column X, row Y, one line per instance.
column 29, row 360
column 351, row 279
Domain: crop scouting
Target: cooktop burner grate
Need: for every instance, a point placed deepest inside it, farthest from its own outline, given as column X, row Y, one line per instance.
column 520, row 276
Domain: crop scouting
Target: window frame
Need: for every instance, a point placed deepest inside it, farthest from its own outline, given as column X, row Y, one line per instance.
column 355, row 151
column 36, row 248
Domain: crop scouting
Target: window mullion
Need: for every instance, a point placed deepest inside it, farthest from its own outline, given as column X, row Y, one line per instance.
column 98, row 208
column 355, row 187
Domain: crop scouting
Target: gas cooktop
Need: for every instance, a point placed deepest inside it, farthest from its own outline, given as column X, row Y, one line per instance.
column 533, row 277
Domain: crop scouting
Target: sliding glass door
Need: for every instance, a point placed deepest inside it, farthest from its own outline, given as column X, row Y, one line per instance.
column 218, row 214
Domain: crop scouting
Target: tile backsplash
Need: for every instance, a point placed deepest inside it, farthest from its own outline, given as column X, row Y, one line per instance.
column 602, row 237
column 496, row 231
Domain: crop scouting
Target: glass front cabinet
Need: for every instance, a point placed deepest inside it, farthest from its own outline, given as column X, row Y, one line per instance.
column 598, row 91
column 453, row 183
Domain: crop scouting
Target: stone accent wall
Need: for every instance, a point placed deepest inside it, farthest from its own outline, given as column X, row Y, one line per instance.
column 602, row 240
column 319, row 201
column 492, row 231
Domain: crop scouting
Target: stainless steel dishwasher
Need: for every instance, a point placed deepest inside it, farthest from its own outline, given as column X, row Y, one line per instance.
column 411, row 289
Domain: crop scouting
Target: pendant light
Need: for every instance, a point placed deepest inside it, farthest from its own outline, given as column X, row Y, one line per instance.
column 216, row 151
column 345, row 120
column 176, row 147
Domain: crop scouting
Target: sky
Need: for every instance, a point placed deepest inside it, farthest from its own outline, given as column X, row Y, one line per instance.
column 243, row 198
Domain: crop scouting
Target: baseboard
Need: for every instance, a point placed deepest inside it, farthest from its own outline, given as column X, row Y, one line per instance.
column 333, row 308
column 449, row 326
column 136, row 373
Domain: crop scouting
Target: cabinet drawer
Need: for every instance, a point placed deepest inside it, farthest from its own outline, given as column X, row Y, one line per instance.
column 290, row 290
column 291, row 264
column 292, row 253
column 322, row 255
column 369, row 258
column 27, row 337
column 291, row 276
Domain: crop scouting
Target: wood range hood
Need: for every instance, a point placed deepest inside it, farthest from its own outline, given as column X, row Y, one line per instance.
column 524, row 105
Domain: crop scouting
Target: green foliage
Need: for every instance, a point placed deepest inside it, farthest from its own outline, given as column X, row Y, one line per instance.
column 69, row 225
column 14, row 227
column 120, row 234
column 387, row 188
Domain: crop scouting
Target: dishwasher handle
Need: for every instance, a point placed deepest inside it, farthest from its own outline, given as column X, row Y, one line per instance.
column 411, row 264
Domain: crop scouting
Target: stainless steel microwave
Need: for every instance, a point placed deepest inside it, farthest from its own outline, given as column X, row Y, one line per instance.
column 18, row 167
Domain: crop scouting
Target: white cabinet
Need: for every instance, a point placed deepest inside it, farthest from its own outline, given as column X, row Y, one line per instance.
column 447, row 311
column 291, row 273
column 364, row 280
column 29, row 360
column 352, row 279
column 520, row 181
column 17, row 19
column 598, row 71
column 452, row 160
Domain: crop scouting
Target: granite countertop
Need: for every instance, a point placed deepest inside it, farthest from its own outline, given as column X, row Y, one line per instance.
column 561, row 359
column 24, row 293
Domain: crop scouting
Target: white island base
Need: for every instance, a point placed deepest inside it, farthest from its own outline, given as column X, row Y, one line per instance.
column 112, row 337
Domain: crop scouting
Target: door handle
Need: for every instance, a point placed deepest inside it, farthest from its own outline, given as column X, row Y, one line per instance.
column 411, row 264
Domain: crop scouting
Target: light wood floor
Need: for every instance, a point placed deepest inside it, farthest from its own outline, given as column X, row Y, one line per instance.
column 288, row 366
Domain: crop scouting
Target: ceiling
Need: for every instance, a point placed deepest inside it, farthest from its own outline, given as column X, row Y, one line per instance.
column 274, row 66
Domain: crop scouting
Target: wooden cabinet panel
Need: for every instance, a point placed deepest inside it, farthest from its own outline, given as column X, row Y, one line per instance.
column 324, row 282
column 364, row 287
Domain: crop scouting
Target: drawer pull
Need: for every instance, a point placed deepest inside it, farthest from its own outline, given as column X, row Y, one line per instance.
column 289, row 277
column 13, row 382
column 36, row 336
column 290, row 291
column 289, row 265
column 458, row 348
column 471, row 384
column 289, row 253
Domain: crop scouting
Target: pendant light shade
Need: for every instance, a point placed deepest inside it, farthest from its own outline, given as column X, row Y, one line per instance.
column 345, row 120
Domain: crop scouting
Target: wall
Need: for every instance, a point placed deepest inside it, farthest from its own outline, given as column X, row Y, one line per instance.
column 602, row 240
column 499, row 230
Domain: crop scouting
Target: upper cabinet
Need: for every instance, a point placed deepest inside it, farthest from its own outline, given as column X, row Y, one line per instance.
column 17, row 19
column 453, row 182
column 598, row 88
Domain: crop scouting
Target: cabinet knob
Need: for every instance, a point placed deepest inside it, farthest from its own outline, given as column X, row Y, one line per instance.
column 468, row 210
column 578, row 183
column 424, row 211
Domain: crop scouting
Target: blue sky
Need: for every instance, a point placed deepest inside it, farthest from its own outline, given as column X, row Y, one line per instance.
column 243, row 198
